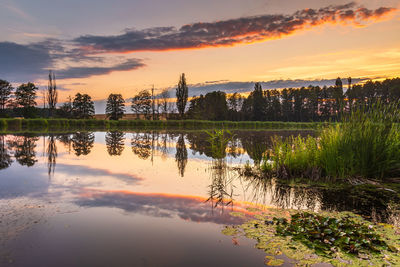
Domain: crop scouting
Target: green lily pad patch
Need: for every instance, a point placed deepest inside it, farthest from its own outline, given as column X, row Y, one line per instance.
column 306, row 238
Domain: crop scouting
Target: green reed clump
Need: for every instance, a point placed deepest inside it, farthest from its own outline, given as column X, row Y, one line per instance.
column 296, row 157
column 366, row 144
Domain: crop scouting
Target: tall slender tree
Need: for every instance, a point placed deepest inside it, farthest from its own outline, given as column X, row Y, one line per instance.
column 52, row 95
column 181, row 95
column 115, row 107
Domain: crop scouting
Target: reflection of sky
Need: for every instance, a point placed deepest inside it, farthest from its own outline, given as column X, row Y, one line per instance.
column 99, row 171
column 191, row 208
column 142, row 207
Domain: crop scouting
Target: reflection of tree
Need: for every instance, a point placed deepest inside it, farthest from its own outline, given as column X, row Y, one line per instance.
column 66, row 140
column 5, row 157
column 141, row 145
column 163, row 146
column 115, row 143
column 24, row 149
column 51, row 154
column 221, row 188
column 181, row 154
column 82, row 143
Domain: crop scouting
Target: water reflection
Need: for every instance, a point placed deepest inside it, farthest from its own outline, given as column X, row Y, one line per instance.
column 181, row 155
column 115, row 142
column 224, row 184
column 5, row 156
column 51, row 152
column 82, row 143
column 141, row 145
column 24, row 149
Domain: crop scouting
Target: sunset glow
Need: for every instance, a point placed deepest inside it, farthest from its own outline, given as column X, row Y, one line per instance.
column 279, row 40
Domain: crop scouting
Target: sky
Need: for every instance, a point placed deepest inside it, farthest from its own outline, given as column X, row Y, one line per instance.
column 100, row 47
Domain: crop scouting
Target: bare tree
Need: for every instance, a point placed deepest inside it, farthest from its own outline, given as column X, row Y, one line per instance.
column 164, row 96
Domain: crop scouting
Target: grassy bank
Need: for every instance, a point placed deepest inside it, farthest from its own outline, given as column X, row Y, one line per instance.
column 45, row 125
column 365, row 145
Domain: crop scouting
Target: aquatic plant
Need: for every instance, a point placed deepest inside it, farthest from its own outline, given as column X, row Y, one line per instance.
column 327, row 234
column 366, row 144
column 307, row 238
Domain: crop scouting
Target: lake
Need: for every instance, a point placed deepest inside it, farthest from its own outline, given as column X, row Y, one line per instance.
column 142, row 198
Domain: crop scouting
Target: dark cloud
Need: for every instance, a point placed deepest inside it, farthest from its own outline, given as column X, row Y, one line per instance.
column 160, row 205
column 28, row 61
column 83, row 72
column 228, row 32
column 24, row 62
column 242, row 87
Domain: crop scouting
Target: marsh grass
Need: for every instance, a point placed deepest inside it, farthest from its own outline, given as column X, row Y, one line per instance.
column 18, row 125
column 365, row 145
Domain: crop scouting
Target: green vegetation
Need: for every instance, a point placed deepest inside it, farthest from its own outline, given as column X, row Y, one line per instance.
column 366, row 144
column 326, row 235
column 340, row 239
column 26, row 125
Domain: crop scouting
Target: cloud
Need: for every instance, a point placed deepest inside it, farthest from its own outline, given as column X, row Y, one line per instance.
column 229, row 32
column 28, row 61
column 23, row 62
column 84, row 72
column 243, row 87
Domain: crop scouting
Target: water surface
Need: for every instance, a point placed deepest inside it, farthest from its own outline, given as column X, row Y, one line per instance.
column 136, row 198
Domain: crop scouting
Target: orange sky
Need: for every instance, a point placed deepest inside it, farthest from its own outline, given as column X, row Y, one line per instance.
column 361, row 48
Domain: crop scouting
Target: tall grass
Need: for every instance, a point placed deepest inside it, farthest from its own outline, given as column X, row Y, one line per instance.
column 15, row 125
column 366, row 144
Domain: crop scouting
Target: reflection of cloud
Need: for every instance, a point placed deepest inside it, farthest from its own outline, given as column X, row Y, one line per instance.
column 228, row 32
column 160, row 205
column 82, row 171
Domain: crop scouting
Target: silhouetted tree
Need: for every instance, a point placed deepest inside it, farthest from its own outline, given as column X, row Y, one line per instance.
column 5, row 94
column 115, row 143
column 25, row 98
column 52, row 94
column 181, row 95
column 141, row 104
column 181, row 154
column 164, row 96
column 115, row 107
column 82, row 143
column 83, row 106
column 66, row 109
column 258, row 103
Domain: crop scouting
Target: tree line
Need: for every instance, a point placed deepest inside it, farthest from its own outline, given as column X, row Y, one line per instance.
column 312, row 103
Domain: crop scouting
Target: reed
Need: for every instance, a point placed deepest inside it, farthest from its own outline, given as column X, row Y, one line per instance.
column 366, row 144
